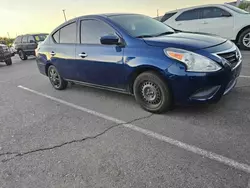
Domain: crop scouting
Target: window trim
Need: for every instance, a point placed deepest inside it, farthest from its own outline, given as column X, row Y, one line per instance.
column 189, row 10
column 59, row 29
column 116, row 32
column 201, row 13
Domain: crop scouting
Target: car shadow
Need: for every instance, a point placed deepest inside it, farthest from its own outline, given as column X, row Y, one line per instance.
column 130, row 100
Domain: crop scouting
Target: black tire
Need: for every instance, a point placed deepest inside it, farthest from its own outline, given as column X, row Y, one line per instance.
column 55, row 79
column 22, row 55
column 152, row 93
column 8, row 62
column 244, row 40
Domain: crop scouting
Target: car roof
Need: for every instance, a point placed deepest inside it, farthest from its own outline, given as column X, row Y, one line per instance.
column 105, row 15
column 194, row 7
column 33, row 34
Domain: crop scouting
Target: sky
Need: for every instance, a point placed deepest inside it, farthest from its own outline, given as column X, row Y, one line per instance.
column 30, row 16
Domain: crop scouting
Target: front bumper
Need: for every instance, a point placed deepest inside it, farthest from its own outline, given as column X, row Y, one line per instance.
column 197, row 88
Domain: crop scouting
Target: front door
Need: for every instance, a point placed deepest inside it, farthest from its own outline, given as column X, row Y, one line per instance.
column 215, row 20
column 31, row 45
column 99, row 64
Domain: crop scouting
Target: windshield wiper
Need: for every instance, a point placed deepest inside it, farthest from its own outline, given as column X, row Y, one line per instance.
column 165, row 33
column 148, row 36
column 145, row 36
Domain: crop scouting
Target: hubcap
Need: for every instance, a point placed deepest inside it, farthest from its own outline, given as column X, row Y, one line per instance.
column 54, row 78
column 151, row 93
column 246, row 40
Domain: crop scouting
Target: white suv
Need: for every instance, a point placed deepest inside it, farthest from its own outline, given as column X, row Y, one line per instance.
column 224, row 20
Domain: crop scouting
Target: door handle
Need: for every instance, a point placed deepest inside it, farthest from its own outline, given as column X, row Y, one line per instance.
column 205, row 22
column 179, row 24
column 52, row 53
column 83, row 55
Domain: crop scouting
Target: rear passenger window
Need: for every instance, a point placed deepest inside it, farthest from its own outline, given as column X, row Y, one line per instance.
column 68, row 34
column 25, row 39
column 189, row 15
column 18, row 40
column 167, row 16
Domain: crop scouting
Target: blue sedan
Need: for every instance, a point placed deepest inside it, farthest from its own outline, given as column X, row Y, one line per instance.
column 138, row 55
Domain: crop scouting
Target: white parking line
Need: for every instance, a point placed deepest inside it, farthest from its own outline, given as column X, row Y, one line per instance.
column 187, row 147
column 242, row 76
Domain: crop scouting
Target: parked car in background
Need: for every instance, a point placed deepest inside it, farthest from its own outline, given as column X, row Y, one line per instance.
column 138, row 55
column 25, row 45
column 13, row 50
column 5, row 54
column 223, row 20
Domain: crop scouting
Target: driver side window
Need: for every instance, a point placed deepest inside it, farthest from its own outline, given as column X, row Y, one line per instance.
column 93, row 30
column 213, row 12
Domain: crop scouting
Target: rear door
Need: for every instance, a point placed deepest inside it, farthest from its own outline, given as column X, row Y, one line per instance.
column 215, row 20
column 62, row 51
column 186, row 21
column 24, row 43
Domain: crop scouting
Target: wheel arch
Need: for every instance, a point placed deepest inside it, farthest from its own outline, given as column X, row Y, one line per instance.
column 240, row 32
column 140, row 70
column 47, row 68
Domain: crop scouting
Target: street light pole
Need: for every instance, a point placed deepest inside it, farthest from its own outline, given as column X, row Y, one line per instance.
column 64, row 14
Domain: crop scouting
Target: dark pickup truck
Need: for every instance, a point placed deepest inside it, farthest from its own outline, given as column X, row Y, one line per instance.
column 5, row 54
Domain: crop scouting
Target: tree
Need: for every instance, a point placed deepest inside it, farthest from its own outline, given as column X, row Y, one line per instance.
column 6, row 41
column 244, row 5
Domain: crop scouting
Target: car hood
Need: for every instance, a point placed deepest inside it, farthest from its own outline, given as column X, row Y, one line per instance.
column 189, row 41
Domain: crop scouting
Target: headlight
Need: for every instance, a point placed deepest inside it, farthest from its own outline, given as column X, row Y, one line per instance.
column 193, row 61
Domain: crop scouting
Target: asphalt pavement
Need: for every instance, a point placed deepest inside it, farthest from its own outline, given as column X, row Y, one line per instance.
column 84, row 137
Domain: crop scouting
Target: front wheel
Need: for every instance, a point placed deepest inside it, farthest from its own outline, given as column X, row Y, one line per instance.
column 55, row 79
column 8, row 62
column 244, row 40
column 152, row 93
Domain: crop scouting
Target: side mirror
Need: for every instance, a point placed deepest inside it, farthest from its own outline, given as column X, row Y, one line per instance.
column 32, row 41
column 225, row 14
column 110, row 40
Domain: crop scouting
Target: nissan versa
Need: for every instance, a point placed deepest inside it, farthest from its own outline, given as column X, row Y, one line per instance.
column 138, row 55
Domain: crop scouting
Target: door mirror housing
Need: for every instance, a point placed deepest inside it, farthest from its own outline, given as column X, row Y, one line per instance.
column 32, row 41
column 226, row 14
column 110, row 40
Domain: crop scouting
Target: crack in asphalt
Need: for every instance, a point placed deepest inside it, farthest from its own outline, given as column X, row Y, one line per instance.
column 20, row 154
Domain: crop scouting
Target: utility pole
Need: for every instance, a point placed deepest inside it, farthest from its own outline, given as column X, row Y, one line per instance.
column 64, row 14
column 8, row 35
column 157, row 14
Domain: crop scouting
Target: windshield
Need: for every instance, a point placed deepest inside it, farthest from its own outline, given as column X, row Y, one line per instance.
column 141, row 26
column 40, row 38
column 236, row 9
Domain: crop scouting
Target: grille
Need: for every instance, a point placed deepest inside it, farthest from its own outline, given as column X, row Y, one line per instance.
column 231, row 57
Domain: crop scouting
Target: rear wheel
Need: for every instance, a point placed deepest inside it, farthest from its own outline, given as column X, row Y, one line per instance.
column 22, row 55
column 244, row 40
column 152, row 93
column 56, row 80
column 8, row 62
